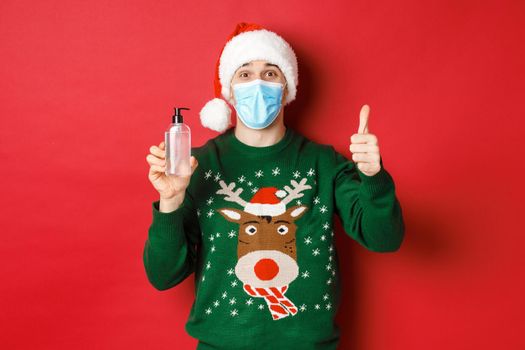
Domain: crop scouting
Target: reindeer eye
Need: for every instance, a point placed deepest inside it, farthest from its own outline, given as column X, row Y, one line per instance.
column 283, row 229
column 250, row 230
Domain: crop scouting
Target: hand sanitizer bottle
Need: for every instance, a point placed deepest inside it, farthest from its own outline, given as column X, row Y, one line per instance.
column 178, row 146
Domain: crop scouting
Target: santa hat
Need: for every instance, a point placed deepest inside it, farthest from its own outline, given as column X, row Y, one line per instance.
column 266, row 202
column 247, row 43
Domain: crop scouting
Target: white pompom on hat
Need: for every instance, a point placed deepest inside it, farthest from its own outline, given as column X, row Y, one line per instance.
column 248, row 42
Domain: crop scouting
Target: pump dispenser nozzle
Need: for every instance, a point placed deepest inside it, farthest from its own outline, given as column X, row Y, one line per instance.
column 177, row 117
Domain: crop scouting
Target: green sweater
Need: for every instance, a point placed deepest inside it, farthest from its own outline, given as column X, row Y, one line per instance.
column 256, row 228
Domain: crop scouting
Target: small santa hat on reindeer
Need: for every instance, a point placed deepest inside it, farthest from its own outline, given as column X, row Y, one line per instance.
column 247, row 43
column 267, row 201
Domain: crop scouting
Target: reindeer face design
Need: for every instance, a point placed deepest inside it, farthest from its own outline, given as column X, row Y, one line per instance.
column 266, row 246
column 266, row 249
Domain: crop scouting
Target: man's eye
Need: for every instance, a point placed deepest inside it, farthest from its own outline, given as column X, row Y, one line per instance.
column 243, row 75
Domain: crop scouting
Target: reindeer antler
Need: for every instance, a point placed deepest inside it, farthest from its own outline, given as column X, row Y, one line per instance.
column 231, row 196
column 296, row 192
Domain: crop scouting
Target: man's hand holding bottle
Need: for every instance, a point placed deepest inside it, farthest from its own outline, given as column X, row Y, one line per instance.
column 171, row 188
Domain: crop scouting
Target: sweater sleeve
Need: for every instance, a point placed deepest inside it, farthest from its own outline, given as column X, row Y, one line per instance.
column 170, row 249
column 367, row 206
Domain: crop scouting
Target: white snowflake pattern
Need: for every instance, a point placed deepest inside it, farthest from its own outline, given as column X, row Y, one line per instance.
column 260, row 307
column 276, row 171
column 231, row 234
column 209, row 201
column 317, row 200
column 329, row 281
column 331, row 248
column 216, row 303
column 208, row 311
column 242, row 179
column 207, row 175
column 230, row 271
column 212, row 238
column 249, row 302
column 298, row 202
column 250, row 183
column 218, row 234
column 317, row 306
column 305, row 274
column 234, row 312
column 302, row 307
column 224, row 295
column 255, row 189
column 296, row 174
column 212, row 249
column 328, row 306
column 234, row 283
column 232, row 301
column 210, row 213
column 316, row 252
column 217, row 177
column 203, row 278
column 198, row 212
column 323, row 209
column 307, row 240
column 326, row 296
column 259, row 173
column 208, row 265
column 310, row 172
column 333, row 272
column 326, row 225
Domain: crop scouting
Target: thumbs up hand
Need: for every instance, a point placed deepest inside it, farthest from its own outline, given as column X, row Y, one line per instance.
column 364, row 147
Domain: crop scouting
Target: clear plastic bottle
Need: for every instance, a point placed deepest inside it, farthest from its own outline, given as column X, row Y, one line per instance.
column 178, row 146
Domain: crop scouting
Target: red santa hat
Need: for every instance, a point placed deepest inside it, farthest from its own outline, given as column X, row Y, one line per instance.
column 247, row 43
column 267, row 201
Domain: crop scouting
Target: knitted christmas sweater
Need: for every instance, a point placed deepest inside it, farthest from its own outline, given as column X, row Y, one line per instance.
column 256, row 229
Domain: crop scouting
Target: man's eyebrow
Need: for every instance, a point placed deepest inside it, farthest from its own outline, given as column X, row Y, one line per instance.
column 267, row 65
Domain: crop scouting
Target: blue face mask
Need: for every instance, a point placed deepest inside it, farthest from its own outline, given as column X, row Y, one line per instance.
column 258, row 102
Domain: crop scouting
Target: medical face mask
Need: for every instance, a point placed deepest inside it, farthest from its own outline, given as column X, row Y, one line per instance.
column 258, row 102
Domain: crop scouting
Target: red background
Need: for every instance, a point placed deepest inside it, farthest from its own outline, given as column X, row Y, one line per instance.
column 87, row 87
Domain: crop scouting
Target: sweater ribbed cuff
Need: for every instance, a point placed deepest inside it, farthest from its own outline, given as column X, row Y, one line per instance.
column 376, row 184
column 167, row 226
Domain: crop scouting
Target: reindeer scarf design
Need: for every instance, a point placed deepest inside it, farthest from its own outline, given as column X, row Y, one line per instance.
column 266, row 247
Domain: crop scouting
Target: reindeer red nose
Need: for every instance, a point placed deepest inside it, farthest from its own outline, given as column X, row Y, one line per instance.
column 266, row 269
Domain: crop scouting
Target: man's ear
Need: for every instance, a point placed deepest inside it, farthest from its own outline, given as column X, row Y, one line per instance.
column 285, row 93
column 232, row 102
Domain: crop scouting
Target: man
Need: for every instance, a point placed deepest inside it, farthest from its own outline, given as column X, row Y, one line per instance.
column 254, row 220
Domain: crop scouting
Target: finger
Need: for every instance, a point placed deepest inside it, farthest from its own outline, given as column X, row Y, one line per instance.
column 365, row 157
column 363, row 147
column 157, row 169
column 157, row 151
column 152, row 160
column 364, row 138
column 363, row 120
column 161, row 145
